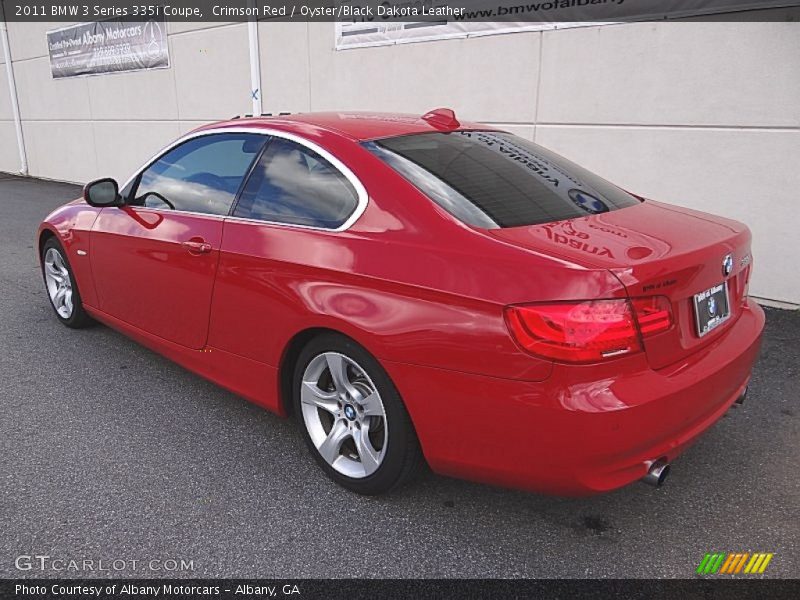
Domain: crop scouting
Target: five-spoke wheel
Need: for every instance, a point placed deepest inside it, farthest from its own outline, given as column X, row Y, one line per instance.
column 344, row 414
column 353, row 417
column 60, row 284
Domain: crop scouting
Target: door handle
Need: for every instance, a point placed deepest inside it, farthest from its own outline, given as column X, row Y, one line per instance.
column 197, row 247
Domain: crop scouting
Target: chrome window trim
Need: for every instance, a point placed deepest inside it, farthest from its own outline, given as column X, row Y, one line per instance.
column 361, row 192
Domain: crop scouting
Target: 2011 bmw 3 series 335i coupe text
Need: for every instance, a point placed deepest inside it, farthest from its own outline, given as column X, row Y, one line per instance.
column 416, row 289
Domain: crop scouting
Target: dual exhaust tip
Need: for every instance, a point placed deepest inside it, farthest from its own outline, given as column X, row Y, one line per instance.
column 659, row 469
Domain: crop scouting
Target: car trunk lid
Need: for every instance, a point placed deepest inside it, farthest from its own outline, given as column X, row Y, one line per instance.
column 655, row 249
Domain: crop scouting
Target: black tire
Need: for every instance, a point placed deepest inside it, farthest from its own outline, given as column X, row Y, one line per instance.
column 79, row 317
column 402, row 457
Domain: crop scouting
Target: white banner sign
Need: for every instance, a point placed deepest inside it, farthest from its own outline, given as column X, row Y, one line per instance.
column 380, row 25
column 109, row 46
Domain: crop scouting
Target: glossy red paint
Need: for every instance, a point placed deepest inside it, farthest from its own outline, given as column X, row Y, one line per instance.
column 426, row 294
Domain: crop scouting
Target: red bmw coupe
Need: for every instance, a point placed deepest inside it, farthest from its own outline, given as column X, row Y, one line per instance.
column 416, row 288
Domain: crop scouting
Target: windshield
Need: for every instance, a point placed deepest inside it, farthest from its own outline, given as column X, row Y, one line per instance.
column 492, row 179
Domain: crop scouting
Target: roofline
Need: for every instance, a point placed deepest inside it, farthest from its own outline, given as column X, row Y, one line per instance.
column 266, row 123
column 280, row 120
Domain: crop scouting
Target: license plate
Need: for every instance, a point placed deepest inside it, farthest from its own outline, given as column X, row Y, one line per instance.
column 711, row 308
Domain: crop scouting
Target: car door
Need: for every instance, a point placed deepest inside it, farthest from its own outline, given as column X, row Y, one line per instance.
column 155, row 258
column 283, row 234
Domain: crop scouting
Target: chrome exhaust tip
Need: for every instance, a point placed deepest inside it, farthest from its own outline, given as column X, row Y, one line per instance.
column 740, row 400
column 657, row 473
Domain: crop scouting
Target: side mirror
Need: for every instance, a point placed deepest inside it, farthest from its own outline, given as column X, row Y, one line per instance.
column 102, row 192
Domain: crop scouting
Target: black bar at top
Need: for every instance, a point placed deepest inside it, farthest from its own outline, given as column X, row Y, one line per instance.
column 382, row 11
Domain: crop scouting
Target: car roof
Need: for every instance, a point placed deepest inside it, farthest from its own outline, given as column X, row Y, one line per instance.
column 359, row 126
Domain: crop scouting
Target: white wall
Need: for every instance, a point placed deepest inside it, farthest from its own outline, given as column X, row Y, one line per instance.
column 80, row 128
column 703, row 114
column 9, row 156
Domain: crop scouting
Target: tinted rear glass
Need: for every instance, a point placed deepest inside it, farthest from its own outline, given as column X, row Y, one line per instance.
column 490, row 179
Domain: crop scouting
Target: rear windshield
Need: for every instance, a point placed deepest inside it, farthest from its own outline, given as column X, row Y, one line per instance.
column 490, row 179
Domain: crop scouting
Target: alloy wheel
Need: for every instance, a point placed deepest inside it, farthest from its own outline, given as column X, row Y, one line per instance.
column 59, row 284
column 344, row 414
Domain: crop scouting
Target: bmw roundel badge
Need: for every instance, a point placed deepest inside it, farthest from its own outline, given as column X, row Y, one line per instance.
column 587, row 202
column 727, row 265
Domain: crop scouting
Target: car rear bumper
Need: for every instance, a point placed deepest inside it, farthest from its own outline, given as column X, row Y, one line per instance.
column 587, row 429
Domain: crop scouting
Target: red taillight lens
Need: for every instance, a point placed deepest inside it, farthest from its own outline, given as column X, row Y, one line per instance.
column 589, row 331
column 654, row 314
column 746, row 275
column 576, row 332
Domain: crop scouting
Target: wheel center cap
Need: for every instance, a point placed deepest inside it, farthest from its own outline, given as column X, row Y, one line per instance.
column 350, row 412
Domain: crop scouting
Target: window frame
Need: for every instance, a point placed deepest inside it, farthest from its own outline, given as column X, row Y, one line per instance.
column 136, row 180
column 264, row 150
column 269, row 134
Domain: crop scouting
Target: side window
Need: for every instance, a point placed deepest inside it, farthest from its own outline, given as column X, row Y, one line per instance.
column 293, row 184
column 201, row 175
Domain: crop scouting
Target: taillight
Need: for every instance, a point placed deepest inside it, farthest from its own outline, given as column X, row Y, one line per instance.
column 654, row 314
column 588, row 331
column 746, row 276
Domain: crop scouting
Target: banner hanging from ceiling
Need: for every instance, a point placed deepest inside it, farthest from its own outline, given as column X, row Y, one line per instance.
column 380, row 26
column 108, row 47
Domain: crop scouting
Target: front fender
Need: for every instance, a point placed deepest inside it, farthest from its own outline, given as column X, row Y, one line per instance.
column 72, row 224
